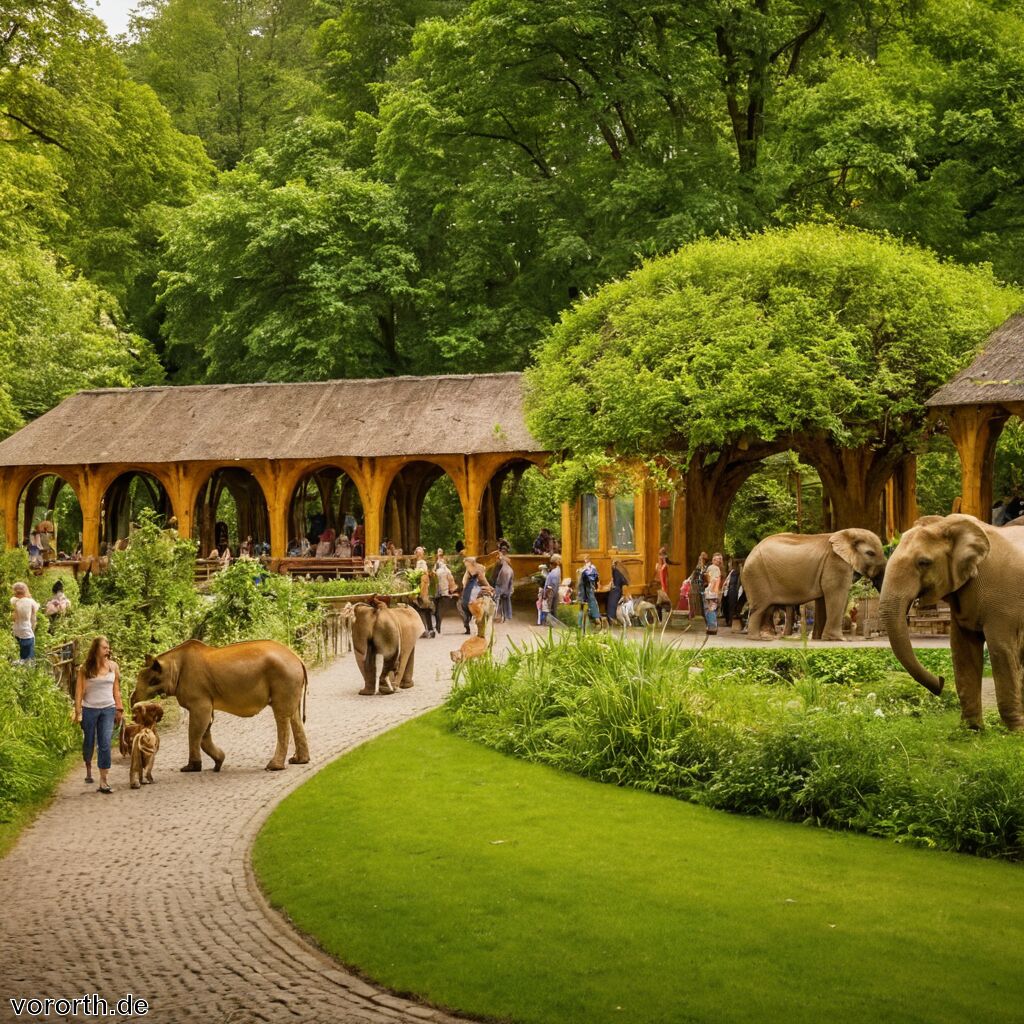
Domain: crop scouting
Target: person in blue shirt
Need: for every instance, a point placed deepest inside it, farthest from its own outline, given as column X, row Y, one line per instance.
column 552, row 582
column 586, row 595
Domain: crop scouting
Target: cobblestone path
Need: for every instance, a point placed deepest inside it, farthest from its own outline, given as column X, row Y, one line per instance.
column 150, row 891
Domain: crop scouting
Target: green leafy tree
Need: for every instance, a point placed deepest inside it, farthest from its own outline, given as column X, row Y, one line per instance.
column 817, row 339
column 58, row 336
column 231, row 72
column 282, row 277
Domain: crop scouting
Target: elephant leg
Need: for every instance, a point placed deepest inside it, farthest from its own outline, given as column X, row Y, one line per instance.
column 211, row 748
column 301, row 755
column 968, row 651
column 787, row 628
column 756, row 622
column 405, row 672
column 819, row 618
column 367, row 663
column 835, row 605
column 1006, row 673
column 276, row 763
column 387, row 674
column 199, row 719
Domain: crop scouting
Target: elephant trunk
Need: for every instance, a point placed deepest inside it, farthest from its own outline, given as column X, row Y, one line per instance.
column 878, row 579
column 893, row 609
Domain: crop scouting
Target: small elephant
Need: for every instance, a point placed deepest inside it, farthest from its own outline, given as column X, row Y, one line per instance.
column 794, row 568
column 392, row 633
column 977, row 568
column 241, row 679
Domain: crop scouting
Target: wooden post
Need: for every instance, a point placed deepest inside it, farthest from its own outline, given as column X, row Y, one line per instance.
column 10, row 493
column 975, row 430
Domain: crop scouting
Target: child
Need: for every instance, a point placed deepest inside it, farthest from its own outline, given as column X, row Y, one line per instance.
column 541, row 614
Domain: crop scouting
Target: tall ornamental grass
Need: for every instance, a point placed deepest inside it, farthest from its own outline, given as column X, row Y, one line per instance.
column 837, row 739
column 36, row 734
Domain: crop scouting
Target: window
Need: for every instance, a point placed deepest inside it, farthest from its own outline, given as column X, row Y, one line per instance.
column 624, row 522
column 589, row 536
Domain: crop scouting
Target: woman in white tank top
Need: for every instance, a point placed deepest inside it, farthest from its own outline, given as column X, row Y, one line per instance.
column 98, row 707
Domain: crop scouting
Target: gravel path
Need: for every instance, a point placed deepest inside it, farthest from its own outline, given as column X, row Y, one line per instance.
column 150, row 891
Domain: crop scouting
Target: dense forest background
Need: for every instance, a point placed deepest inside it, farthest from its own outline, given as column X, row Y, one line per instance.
column 245, row 190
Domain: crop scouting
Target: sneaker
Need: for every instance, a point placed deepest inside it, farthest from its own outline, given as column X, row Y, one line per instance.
column 88, row 780
column 104, row 789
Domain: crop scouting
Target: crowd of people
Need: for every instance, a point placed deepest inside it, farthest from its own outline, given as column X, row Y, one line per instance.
column 712, row 592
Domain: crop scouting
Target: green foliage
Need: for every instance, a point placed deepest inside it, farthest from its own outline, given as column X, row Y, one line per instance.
column 286, row 278
column 36, row 732
column 529, row 502
column 89, row 163
column 384, row 582
column 248, row 603
column 829, row 738
column 767, row 504
column 938, row 477
column 814, row 330
column 441, row 522
column 230, row 73
column 146, row 601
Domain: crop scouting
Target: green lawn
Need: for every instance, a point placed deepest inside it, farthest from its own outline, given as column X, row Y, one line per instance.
column 510, row 890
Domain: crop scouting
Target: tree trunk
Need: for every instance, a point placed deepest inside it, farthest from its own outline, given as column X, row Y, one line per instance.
column 711, row 488
column 854, row 479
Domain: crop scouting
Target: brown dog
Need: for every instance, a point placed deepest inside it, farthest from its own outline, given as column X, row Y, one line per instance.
column 145, row 742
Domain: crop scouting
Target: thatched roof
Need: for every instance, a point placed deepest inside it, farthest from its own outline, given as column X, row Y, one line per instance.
column 995, row 377
column 223, row 422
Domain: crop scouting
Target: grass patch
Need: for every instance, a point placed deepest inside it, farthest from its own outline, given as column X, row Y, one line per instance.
column 789, row 735
column 509, row 890
column 23, row 814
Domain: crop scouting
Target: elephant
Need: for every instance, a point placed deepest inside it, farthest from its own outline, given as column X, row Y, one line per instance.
column 241, row 679
column 794, row 568
column 979, row 570
column 392, row 633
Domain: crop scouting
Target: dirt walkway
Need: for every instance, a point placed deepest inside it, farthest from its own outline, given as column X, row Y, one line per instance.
column 150, row 892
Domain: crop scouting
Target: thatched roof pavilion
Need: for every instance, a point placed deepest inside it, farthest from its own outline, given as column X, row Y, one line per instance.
column 390, row 437
column 975, row 405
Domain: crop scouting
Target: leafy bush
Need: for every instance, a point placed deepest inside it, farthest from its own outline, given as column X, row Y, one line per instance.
column 248, row 602
column 36, row 733
column 832, row 738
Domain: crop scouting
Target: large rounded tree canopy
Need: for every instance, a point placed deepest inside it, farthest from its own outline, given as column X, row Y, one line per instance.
column 817, row 338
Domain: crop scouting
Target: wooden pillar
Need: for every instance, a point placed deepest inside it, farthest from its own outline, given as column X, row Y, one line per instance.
column 90, row 497
column 10, row 493
column 570, row 521
column 975, row 430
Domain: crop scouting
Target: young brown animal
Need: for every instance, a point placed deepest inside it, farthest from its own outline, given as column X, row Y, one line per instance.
column 145, row 742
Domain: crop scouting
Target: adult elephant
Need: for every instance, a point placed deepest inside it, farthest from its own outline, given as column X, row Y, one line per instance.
column 241, row 679
column 391, row 633
column 794, row 568
column 979, row 570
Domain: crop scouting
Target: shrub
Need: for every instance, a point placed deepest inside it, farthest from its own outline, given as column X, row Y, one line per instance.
column 36, row 732
column 830, row 738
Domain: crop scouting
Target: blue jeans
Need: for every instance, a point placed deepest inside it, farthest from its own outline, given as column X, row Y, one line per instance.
column 27, row 647
column 97, row 725
column 505, row 606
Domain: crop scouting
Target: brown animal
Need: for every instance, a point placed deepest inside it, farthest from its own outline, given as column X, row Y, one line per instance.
column 145, row 742
column 482, row 609
column 241, row 679
column 474, row 647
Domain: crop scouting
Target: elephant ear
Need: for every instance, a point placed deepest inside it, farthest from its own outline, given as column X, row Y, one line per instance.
column 969, row 548
column 844, row 544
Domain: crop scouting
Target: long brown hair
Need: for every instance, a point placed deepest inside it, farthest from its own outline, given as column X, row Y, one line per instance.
column 91, row 667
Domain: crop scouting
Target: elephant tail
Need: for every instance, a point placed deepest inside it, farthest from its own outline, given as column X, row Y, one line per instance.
column 305, row 690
